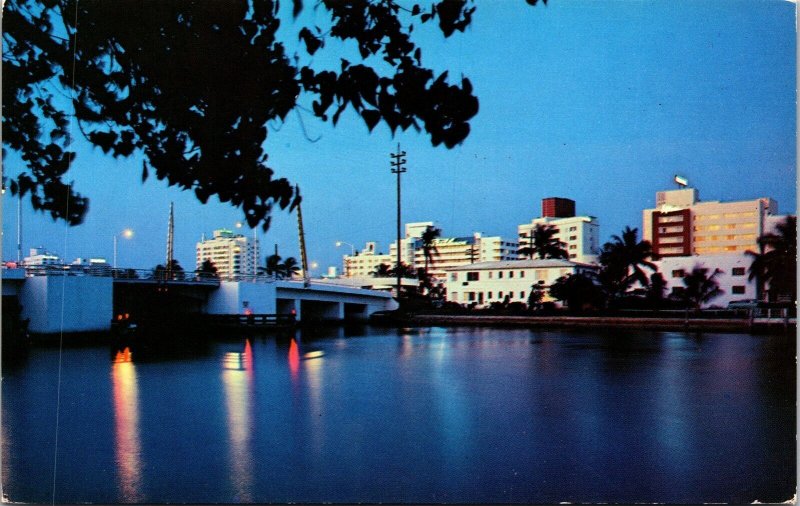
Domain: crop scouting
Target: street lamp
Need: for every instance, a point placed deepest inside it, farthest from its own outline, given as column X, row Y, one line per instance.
column 126, row 234
column 352, row 248
column 352, row 254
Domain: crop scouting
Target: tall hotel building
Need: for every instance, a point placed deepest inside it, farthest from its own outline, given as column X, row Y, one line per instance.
column 364, row 263
column 232, row 254
column 454, row 252
column 682, row 225
column 450, row 252
column 580, row 234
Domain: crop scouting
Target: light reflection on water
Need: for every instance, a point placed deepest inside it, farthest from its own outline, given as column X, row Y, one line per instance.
column 237, row 379
column 423, row 415
column 127, row 444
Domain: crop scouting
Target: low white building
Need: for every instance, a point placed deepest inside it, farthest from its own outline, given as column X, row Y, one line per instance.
column 486, row 282
column 40, row 256
column 733, row 280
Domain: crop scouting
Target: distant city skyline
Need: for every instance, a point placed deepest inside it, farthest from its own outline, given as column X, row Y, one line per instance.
column 599, row 103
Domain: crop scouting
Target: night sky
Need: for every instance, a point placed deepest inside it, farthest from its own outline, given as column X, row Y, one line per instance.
column 600, row 102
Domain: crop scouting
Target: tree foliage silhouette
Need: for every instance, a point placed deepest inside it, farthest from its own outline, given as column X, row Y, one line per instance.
column 429, row 249
column 622, row 260
column 194, row 86
column 776, row 262
column 701, row 286
column 543, row 243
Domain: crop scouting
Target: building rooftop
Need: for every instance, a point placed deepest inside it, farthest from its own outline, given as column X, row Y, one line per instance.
column 519, row 264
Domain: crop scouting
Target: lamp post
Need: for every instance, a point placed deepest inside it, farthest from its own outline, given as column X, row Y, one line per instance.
column 398, row 167
column 127, row 234
column 352, row 254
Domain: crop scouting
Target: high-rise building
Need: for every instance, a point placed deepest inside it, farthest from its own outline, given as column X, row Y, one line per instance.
column 365, row 262
column 682, row 225
column 232, row 254
column 451, row 252
column 580, row 234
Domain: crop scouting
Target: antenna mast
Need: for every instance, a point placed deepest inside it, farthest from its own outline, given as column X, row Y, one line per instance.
column 303, row 257
column 170, row 241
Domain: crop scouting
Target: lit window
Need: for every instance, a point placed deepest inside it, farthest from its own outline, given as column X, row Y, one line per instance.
column 678, row 273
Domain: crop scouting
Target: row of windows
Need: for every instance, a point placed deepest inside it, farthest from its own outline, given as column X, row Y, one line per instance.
column 670, row 230
column 736, row 290
column 736, row 271
column 720, row 249
column 475, row 275
column 727, row 226
column 478, row 296
column 670, row 219
column 729, row 237
column 727, row 216
column 670, row 240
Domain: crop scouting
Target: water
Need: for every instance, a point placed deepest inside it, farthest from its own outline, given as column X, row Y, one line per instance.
column 415, row 415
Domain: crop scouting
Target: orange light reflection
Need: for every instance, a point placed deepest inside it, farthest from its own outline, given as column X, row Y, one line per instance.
column 126, row 427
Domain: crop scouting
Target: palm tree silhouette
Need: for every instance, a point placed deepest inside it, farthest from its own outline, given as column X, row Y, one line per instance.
column 289, row 268
column 623, row 258
column 775, row 264
column 701, row 286
column 382, row 271
column 429, row 250
column 543, row 243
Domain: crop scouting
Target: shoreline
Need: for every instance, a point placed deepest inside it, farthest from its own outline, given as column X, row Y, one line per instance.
column 565, row 322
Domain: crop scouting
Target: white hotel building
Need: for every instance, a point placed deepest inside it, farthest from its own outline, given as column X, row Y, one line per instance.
column 450, row 252
column 365, row 262
column 232, row 254
column 487, row 282
column 580, row 234
column 682, row 225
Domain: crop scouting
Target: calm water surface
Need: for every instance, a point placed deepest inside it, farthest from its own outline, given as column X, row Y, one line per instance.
column 415, row 415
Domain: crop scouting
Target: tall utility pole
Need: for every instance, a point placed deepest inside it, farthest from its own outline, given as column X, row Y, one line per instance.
column 19, row 228
column 398, row 167
column 170, row 241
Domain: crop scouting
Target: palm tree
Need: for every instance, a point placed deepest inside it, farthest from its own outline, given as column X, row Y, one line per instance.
column 776, row 263
column 701, row 286
column 272, row 266
column 289, row 268
column 207, row 269
column 543, row 243
column 175, row 272
column 622, row 260
column 404, row 270
column 429, row 250
column 382, row 271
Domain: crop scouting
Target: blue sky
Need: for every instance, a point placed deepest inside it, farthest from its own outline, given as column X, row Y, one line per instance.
column 600, row 102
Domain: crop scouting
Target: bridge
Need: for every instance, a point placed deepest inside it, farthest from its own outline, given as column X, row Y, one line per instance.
column 91, row 296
